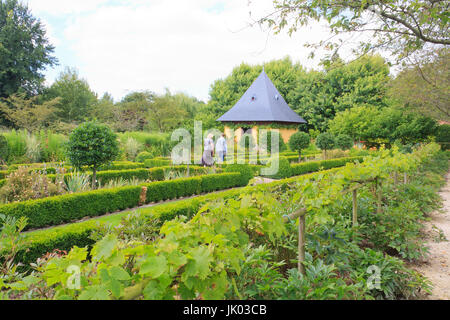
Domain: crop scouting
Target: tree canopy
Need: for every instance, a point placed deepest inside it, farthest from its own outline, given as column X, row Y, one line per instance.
column 225, row 93
column 92, row 144
column 315, row 95
column 386, row 125
column 423, row 86
column 318, row 96
column 28, row 113
column 25, row 50
column 402, row 27
column 76, row 97
column 298, row 142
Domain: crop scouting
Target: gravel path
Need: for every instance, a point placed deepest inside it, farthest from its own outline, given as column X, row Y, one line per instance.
column 437, row 268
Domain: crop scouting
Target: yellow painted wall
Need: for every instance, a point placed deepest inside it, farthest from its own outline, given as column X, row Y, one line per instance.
column 285, row 133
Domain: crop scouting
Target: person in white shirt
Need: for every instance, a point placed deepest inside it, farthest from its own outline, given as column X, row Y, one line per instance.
column 221, row 148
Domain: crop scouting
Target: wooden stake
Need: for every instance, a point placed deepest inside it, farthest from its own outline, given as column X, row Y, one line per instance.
column 405, row 178
column 355, row 208
column 395, row 178
column 143, row 196
column 379, row 197
column 301, row 243
column 300, row 214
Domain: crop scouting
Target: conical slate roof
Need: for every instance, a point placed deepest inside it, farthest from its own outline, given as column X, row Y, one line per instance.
column 261, row 103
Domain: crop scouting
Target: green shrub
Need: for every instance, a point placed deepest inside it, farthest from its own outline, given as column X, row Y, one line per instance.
column 120, row 165
column 141, row 157
column 4, row 174
column 24, row 184
column 70, row 207
column 92, row 144
column 325, row 141
column 246, row 171
column 298, row 142
column 284, row 169
column 152, row 163
column 17, row 146
column 313, row 166
column 344, row 142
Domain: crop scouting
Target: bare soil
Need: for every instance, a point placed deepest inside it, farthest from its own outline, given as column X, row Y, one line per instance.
column 437, row 267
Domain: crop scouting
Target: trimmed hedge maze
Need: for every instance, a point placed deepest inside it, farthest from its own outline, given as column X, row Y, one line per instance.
column 57, row 210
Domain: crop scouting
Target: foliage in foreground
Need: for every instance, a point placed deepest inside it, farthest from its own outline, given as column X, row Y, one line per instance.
column 242, row 249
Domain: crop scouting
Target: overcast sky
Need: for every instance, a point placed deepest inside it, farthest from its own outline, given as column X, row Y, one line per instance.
column 131, row 45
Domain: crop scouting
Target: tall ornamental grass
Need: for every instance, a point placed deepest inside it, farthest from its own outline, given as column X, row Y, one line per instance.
column 42, row 146
column 155, row 143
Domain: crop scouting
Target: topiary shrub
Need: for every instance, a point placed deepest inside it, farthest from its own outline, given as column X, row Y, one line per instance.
column 245, row 171
column 325, row 141
column 344, row 142
column 298, row 142
column 92, row 144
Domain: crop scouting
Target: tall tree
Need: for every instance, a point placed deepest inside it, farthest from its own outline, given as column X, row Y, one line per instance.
column 25, row 50
column 104, row 109
column 318, row 96
column 402, row 27
column 164, row 113
column 131, row 113
column 77, row 99
column 28, row 113
column 385, row 125
column 424, row 86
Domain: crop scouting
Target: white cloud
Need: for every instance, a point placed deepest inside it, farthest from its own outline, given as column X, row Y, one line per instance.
column 59, row 7
column 124, row 46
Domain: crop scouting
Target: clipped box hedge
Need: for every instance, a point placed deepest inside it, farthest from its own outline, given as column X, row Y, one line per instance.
column 153, row 163
column 154, row 174
column 57, row 210
column 313, row 166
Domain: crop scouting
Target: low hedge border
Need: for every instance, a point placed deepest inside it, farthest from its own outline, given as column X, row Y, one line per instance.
column 57, row 210
column 50, row 167
column 152, row 163
column 154, row 174
column 312, row 166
